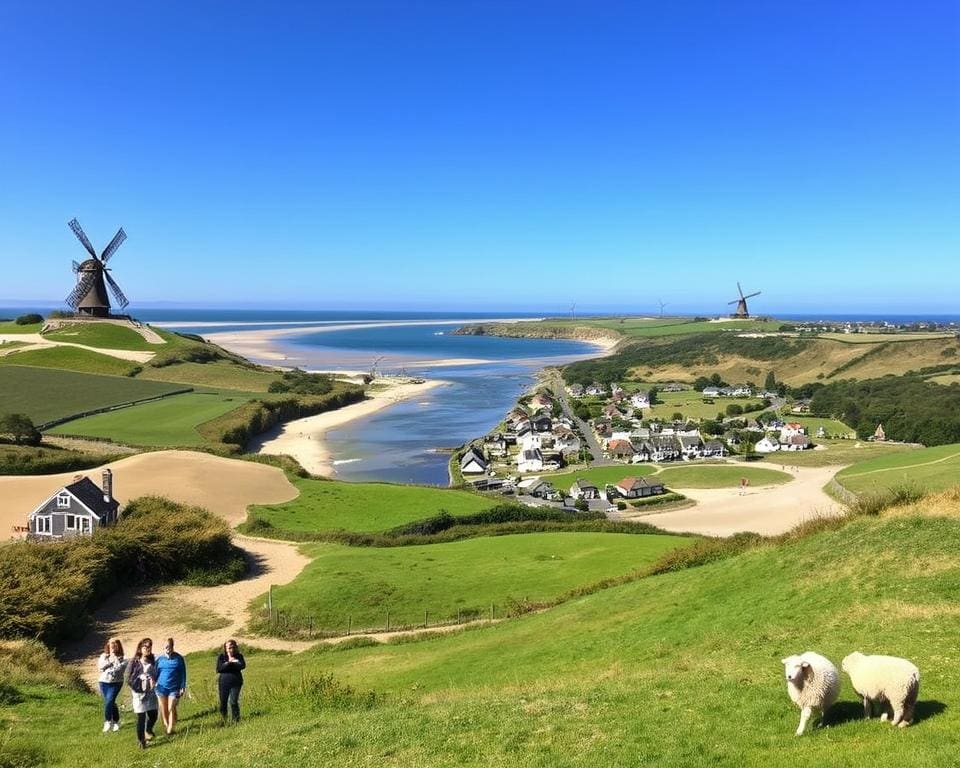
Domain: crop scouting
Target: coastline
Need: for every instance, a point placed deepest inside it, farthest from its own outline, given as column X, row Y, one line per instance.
column 303, row 439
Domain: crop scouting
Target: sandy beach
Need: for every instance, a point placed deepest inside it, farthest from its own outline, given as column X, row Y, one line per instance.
column 303, row 439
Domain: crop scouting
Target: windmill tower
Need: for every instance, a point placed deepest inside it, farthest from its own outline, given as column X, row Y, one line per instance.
column 741, row 311
column 89, row 296
column 663, row 305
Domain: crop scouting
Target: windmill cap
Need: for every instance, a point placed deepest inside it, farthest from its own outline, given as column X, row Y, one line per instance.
column 89, row 264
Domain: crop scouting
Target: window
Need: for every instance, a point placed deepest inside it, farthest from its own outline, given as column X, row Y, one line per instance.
column 63, row 500
column 84, row 524
column 43, row 524
column 71, row 522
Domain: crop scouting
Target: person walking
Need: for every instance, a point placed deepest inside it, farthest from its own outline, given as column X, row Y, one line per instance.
column 111, row 666
column 230, row 666
column 171, row 684
column 142, row 677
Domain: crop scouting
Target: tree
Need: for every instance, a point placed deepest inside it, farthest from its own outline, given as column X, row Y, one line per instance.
column 581, row 504
column 652, row 395
column 30, row 319
column 770, row 383
column 19, row 428
column 734, row 409
column 677, row 416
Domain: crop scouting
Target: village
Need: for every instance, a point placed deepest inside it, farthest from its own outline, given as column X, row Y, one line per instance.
column 557, row 430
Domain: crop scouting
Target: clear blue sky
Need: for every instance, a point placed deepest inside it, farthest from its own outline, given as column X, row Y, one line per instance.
column 487, row 154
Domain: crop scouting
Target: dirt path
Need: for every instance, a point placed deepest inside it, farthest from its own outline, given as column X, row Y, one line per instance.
column 768, row 510
column 905, row 466
column 36, row 341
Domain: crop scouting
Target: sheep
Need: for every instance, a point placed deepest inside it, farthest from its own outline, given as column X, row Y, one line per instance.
column 888, row 681
column 813, row 684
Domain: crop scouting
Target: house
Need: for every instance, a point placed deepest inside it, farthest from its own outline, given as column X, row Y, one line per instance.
column 741, row 391
column 879, row 435
column 795, row 443
column 616, row 389
column 584, row 489
column 596, row 389
column 640, row 400
column 620, row 449
column 575, row 390
column 530, row 441
column 551, row 459
column 530, row 461
column 472, row 462
column 541, row 422
column 801, row 406
column 690, row 446
column 75, row 510
column 638, row 487
column 713, row 449
column 566, row 441
column 766, row 445
column 603, row 430
column 536, row 487
column 711, row 392
column 790, row 429
column 612, row 412
column 663, row 448
column 540, row 402
column 673, row 387
column 495, row 445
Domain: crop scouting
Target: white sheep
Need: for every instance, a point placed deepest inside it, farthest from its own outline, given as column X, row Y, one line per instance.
column 887, row 681
column 813, row 684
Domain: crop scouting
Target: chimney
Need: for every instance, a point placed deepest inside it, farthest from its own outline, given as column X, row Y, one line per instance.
column 107, row 485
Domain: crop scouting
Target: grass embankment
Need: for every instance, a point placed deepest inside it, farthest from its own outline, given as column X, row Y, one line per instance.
column 46, row 395
column 329, row 505
column 719, row 476
column 599, row 476
column 172, row 421
column 680, row 669
column 102, row 336
column 220, row 374
column 835, row 452
column 923, row 469
column 72, row 359
column 455, row 580
column 9, row 326
column 47, row 460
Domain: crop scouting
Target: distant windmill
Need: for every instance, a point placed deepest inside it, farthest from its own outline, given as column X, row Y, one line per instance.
column 89, row 296
column 573, row 310
column 662, row 305
column 741, row 303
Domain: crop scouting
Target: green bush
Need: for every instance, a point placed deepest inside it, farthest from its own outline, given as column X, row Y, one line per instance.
column 302, row 383
column 30, row 319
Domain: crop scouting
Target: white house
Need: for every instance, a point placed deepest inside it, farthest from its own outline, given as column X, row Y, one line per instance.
column 711, row 391
column 766, row 445
column 472, row 462
column 790, row 430
column 640, row 400
column 530, row 461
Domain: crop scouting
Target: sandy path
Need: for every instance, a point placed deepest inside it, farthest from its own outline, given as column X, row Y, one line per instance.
column 303, row 438
column 36, row 341
column 767, row 510
column 224, row 486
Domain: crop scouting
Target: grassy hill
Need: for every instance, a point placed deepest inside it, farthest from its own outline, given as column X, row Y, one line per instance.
column 678, row 669
column 926, row 469
column 71, row 359
column 101, row 335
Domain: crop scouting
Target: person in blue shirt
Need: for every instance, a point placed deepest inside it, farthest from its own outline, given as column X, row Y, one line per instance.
column 171, row 684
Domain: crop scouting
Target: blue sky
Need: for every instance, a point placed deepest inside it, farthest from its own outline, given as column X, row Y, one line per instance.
column 487, row 155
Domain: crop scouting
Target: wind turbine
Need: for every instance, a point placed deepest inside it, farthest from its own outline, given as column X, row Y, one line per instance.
column 573, row 310
column 662, row 305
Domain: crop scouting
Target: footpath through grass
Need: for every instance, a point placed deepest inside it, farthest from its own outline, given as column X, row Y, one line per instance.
column 329, row 505
column 926, row 469
column 71, row 359
column 103, row 336
column 172, row 421
column 679, row 670
column 462, row 578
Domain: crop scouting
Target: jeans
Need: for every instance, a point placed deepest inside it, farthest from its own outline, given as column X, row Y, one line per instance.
column 109, row 691
column 230, row 692
column 145, row 723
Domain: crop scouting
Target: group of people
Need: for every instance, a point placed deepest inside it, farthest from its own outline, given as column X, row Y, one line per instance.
column 158, row 683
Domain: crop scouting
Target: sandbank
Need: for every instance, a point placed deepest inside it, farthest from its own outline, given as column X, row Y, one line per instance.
column 303, row 439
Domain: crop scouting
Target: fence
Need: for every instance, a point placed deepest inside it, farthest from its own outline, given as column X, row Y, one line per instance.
column 114, row 407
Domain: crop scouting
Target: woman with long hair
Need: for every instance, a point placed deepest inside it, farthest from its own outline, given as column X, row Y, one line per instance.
column 230, row 666
column 142, row 678
column 111, row 666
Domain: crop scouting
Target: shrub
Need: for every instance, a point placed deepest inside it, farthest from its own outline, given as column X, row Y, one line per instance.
column 19, row 428
column 29, row 319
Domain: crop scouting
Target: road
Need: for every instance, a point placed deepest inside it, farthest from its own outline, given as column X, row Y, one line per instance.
column 555, row 382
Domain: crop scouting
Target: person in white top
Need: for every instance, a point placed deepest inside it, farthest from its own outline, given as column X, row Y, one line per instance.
column 112, row 666
column 142, row 677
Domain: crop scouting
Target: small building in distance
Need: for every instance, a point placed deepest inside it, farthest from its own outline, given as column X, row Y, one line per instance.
column 75, row 510
column 472, row 462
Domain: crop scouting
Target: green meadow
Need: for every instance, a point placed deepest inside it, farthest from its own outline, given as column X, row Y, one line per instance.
column 47, row 394
column 457, row 579
column 72, row 359
column 103, row 336
column 599, row 476
column 667, row 326
column 329, row 505
column 172, row 421
column 678, row 670
column 835, row 452
column 9, row 326
column 691, row 404
column 718, row 476
column 927, row 469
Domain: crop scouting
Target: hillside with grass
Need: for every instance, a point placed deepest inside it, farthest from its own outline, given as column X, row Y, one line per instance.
column 923, row 470
column 678, row 667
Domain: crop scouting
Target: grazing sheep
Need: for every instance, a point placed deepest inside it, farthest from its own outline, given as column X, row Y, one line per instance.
column 813, row 684
column 888, row 681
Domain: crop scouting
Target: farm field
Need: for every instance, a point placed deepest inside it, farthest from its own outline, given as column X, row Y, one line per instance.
column 169, row 422
column 530, row 691
column 467, row 576
column 835, row 452
column 330, row 505
column 812, row 423
column 103, row 336
column 47, row 394
column 71, row 359
column 718, row 476
column 599, row 476
column 929, row 469
column 692, row 405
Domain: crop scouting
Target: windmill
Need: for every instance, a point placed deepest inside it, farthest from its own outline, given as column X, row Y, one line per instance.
column 573, row 311
column 89, row 296
column 662, row 305
column 741, row 311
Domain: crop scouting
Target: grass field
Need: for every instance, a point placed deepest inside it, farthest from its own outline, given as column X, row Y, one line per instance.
column 71, row 359
column 172, row 421
column 881, row 338
column 103, row 336
column 11, row 327
column 812, row 423
column 929, row 469
column 46, row 394
column 692, row 406
column 667, row 326
column 218, row 375
column 835, row 452
column 719, row 476
column 467, row 576
column 947, row 379
column 680, row 670
column 600, row 476
column 329, row 505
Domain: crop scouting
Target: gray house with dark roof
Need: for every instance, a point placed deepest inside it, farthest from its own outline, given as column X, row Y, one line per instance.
column 75, row 510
